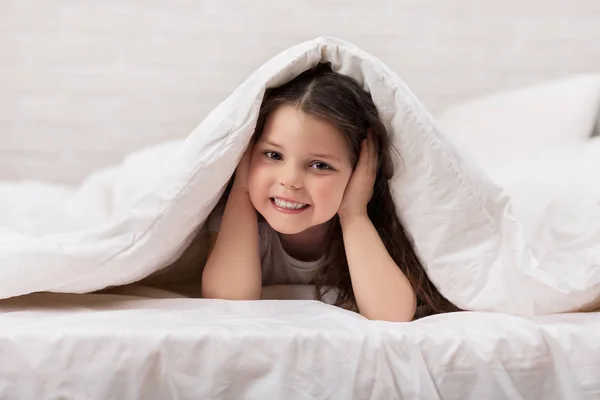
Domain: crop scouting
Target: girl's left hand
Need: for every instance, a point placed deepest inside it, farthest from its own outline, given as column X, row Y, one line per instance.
column 360, row 187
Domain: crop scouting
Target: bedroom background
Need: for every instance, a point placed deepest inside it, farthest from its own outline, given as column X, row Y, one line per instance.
column 83, row 83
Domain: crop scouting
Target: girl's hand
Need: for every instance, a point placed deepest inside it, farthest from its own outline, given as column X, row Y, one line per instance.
column 360, row 187
column 243, row 169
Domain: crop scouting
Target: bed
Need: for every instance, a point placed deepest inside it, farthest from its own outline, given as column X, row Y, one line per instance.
column 154, row 345
column 117, row 81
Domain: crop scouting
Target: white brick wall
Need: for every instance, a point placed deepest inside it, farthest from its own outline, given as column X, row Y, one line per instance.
column 82, row 81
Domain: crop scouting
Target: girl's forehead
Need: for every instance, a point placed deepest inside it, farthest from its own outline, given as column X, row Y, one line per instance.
column 290, row 125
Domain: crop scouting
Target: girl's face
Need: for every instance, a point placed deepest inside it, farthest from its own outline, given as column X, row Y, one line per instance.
column 300, row 168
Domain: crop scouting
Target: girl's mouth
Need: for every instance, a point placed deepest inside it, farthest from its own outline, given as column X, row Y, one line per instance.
column 289, row 207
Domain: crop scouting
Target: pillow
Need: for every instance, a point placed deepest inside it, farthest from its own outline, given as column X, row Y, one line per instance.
column 519, row 122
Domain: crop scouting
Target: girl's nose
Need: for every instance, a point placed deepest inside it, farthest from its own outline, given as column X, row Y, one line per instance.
column 290, row 177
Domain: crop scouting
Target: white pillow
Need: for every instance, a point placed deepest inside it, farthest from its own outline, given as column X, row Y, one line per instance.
column 516, row 123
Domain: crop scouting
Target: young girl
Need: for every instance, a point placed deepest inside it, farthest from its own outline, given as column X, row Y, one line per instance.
column 310, row 203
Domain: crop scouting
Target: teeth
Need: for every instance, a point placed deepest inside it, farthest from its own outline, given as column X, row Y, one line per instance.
column 288, row 205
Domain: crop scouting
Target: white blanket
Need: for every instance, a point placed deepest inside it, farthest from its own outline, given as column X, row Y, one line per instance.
column 129, row 221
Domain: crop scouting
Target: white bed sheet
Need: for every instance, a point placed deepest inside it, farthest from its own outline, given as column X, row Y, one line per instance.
column 108, row 346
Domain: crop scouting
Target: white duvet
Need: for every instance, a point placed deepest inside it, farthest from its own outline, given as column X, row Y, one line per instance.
column 488, row 245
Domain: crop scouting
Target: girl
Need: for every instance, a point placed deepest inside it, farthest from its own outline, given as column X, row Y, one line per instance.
column 310, row 203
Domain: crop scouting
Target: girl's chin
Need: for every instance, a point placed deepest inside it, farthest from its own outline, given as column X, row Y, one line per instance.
column 286, row 228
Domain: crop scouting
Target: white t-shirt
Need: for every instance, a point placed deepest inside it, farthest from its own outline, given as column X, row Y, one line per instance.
column 278, row 267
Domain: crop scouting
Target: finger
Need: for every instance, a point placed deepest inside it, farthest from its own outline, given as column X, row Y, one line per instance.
column 372, row 155
column 247, row 157
column 375, row 158
column 244, row 157
column 363, row 157
column 370, row 148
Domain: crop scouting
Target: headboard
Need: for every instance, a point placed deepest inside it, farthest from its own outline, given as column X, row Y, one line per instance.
column 84, row 82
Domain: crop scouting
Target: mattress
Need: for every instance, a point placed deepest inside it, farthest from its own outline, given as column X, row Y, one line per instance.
column 133, row 346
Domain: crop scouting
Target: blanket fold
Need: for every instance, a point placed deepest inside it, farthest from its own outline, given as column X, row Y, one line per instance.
column 131, row 220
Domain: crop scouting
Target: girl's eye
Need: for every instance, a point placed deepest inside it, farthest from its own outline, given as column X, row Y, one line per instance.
column 321, row 166
column 272, row 155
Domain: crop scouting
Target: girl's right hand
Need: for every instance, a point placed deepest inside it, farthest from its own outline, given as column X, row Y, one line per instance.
column 243, row 170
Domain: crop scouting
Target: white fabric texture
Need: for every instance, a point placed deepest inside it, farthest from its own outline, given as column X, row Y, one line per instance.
column 541, row 145
column 128, row 347
column 124, row 223
column 520, row 122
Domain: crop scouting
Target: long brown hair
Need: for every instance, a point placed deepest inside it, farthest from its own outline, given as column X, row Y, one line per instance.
column 339, row 100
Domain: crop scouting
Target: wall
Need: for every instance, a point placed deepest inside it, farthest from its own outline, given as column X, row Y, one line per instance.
column 83, row 82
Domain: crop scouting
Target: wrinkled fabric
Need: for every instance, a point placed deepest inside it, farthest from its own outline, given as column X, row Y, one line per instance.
column 131, row 220
column 127, row 346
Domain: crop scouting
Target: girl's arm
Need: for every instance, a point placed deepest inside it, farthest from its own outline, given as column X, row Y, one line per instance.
column 233, row 270
column 381, row 289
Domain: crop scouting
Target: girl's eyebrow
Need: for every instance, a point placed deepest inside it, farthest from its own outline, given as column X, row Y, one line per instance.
column 326, row 156
column 270, row 143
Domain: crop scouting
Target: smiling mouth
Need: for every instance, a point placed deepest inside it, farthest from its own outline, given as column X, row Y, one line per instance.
column 288, row 205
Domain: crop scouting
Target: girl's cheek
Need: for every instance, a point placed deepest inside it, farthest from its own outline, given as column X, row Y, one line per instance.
column 333, row 190
column 257, row 174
